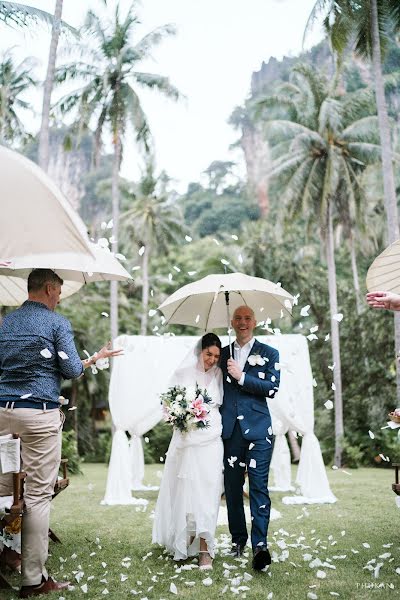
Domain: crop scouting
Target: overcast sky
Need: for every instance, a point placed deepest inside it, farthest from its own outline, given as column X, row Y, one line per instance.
column 218, row 45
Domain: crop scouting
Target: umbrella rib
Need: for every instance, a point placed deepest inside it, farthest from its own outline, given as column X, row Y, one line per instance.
column 177, row 308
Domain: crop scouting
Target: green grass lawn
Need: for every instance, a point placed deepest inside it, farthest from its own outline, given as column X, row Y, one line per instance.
column 108, row 549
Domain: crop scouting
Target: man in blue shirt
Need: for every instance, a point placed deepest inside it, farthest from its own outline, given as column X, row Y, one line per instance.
column 37, row 351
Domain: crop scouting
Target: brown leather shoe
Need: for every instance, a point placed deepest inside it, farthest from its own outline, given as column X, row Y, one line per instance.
column 46, row 587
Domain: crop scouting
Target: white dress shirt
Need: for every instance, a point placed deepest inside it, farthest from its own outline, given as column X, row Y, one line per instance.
column 241, row 354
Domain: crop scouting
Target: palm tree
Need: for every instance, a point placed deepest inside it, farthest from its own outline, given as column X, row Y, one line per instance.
column 109, row 99
column 48, row 87
column 366, row 26
column 16, row 14
column 319, row 149
column 15, row 80
column 155, row 222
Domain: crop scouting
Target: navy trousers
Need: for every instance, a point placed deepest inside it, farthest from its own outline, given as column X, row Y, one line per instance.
column 260, row 503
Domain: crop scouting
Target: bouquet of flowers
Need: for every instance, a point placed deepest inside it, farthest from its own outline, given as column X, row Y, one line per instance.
column 395, row 415
column 186, row 409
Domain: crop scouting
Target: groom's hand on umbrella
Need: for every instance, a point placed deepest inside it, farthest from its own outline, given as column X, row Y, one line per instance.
column 234, row 369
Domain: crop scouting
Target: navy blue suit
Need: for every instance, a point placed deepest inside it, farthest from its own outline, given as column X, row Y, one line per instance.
column 248, row 442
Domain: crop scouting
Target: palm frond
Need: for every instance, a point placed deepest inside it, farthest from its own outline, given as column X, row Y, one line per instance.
column 142, row 49
column 20, row 15
column 158, row 82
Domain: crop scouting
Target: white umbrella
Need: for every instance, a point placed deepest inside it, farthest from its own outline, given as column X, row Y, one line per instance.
column 71, row 267
column 204, row 302
column 384, row 273
column 35, row 216
column 13, row 290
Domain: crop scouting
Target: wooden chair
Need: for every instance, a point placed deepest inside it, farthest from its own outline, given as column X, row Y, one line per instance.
column 12, row 519
column 396, row 485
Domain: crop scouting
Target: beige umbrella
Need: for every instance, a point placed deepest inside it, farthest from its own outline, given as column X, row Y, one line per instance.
column 71, row 267
column 35, row 216
column 206, row 303
column 384, row 273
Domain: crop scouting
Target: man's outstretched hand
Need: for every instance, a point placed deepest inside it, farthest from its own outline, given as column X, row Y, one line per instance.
column 387, row 300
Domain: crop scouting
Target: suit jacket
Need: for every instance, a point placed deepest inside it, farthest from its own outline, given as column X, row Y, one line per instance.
column 250, row 399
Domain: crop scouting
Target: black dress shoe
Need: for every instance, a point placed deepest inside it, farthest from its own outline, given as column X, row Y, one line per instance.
column 261, row 558
column 237, row 550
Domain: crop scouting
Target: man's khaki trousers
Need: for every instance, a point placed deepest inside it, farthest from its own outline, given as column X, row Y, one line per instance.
column 40, row 433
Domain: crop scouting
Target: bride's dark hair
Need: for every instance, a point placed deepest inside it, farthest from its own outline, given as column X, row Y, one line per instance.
column 210, row 339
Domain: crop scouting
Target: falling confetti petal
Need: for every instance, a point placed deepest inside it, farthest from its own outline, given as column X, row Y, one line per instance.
column 152, row 312
column 188, row 238
column 120, row 257
column 197, row 319
column 105, row 314
column 304, row 311
column 333, row 386
column 136, row 268
column 328, row 404
column 224, row 262
column 338, row 317
column 314, row 382
column 25, row 396
column 45, row 353
column 141, row 251
column 253, row 463
column 216, row 241
column 371, row 435
column 240, row 259
column 173, row 588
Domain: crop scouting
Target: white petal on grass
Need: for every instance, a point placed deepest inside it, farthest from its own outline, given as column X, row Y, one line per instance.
column 84, row 588
column 173, row 588
column 208, row 581
column 338, row 317
column 321, row 574
column 371, row 435
column 304, row 310
column 328, row 405
column 46, row 353
column 366, row 545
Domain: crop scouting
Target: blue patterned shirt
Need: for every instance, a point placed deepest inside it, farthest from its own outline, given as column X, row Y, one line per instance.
column 37, row 350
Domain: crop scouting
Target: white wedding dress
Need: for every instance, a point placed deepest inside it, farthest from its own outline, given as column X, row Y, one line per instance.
column 191, row 485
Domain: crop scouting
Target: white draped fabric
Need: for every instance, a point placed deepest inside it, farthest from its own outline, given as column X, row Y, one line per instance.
column 142, row 374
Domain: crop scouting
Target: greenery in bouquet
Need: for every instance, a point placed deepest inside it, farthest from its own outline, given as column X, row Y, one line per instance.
column 186, row 409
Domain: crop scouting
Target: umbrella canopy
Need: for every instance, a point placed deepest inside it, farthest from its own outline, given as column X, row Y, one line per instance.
column 13, row 290
column 35, row 216
column 100, row 265
column 384, row 273
column 203, row 303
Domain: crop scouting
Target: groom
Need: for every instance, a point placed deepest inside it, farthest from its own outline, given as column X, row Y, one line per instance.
column 250, row 377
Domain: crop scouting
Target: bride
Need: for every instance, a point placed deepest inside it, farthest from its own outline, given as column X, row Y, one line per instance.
column 187, row 507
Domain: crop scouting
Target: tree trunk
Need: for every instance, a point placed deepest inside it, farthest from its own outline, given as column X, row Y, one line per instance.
column 337, row 376
column 48, row 87
column 115, row 232
column 389, row 187
column 354, row 268
column 145, row 290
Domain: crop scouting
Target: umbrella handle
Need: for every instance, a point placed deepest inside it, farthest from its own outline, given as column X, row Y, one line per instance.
column 229, row 321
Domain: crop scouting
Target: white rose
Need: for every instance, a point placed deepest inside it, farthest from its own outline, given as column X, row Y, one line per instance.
column 252, row 360
column 260, row 361
column 179, row 398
